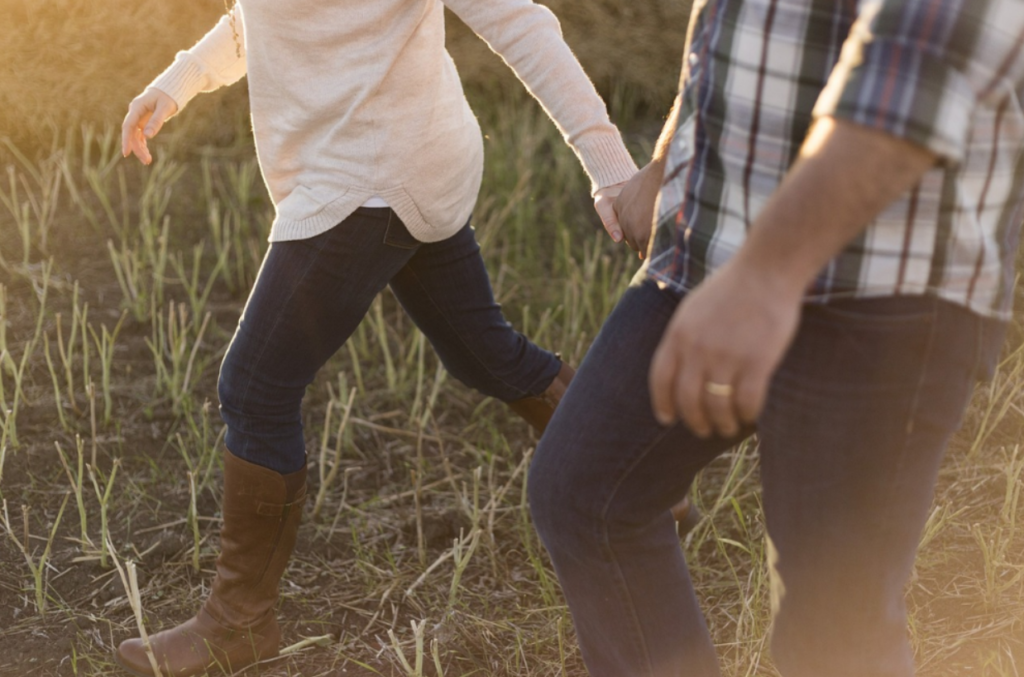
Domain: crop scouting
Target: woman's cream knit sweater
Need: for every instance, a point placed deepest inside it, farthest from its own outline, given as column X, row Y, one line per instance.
column 353, row 99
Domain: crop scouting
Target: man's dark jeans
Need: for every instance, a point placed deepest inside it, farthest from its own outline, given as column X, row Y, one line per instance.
column 855, row 426
column 310, row 295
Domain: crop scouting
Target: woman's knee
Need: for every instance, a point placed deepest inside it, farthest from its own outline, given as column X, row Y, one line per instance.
column 264, row 422
column 232, row 384
column 251, row 400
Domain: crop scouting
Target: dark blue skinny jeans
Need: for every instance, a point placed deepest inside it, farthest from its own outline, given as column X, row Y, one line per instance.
column 857, row 419
column 310, row 295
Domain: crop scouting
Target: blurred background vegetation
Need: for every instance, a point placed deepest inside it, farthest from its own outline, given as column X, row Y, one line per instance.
column 68, row 62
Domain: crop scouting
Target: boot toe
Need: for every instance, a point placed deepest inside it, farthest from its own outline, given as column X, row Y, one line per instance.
column 131, row 655
column 179, row 652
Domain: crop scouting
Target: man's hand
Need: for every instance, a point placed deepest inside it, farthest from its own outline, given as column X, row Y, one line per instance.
column 635, row 206
column 719, row 351
column 725, row 340
column 146, row 116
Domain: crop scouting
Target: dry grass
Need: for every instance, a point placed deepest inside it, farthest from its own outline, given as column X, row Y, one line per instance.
column 422, row 542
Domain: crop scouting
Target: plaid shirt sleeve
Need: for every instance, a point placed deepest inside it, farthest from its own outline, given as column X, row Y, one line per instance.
column 919, row 69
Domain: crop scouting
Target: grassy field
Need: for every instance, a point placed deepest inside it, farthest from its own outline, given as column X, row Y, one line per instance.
column 120, row 287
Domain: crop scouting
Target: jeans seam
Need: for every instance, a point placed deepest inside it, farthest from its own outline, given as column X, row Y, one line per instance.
column 610, row 552
column 458, row 335
column 925, row 369
column 277, row 320
column 980, row 331
column 915, row 402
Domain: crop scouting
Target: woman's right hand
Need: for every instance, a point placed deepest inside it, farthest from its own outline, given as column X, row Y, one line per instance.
column 146, row 115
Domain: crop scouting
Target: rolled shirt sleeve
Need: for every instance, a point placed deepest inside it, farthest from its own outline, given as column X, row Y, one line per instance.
column 920, row 69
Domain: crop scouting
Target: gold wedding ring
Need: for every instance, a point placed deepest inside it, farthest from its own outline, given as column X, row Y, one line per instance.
column 718, row 389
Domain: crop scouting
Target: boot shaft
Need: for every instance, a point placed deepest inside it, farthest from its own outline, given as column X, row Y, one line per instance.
column 262, row 510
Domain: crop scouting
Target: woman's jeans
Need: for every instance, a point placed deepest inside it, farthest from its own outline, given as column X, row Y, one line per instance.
column 856, row 422
column 310, row 295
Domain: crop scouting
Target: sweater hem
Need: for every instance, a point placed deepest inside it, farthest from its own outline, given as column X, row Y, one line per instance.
column 333, row 213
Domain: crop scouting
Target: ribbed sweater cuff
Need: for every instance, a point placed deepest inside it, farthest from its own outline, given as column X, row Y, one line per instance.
column 605, row 159
column 182, row 80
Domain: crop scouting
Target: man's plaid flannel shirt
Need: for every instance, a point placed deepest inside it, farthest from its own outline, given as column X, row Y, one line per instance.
column 945, row 74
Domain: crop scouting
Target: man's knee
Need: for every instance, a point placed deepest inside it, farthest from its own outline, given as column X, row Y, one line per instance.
column 554, row 502
column 543, row 495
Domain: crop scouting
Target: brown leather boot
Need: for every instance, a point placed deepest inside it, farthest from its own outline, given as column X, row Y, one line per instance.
column 236, row 626
column 537, row 410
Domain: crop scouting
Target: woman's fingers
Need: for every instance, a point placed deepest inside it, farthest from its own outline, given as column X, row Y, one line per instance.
column 146, row 116
column 606, row 211
column 604, row 203
column 132, row 140
column 165, row 108
column 129, row 127
column 139, row 146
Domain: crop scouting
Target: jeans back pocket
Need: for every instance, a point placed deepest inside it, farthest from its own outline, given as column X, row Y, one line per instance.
column 397, row 235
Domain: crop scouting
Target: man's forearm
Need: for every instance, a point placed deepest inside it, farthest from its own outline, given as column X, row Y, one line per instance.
column 845, row 177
